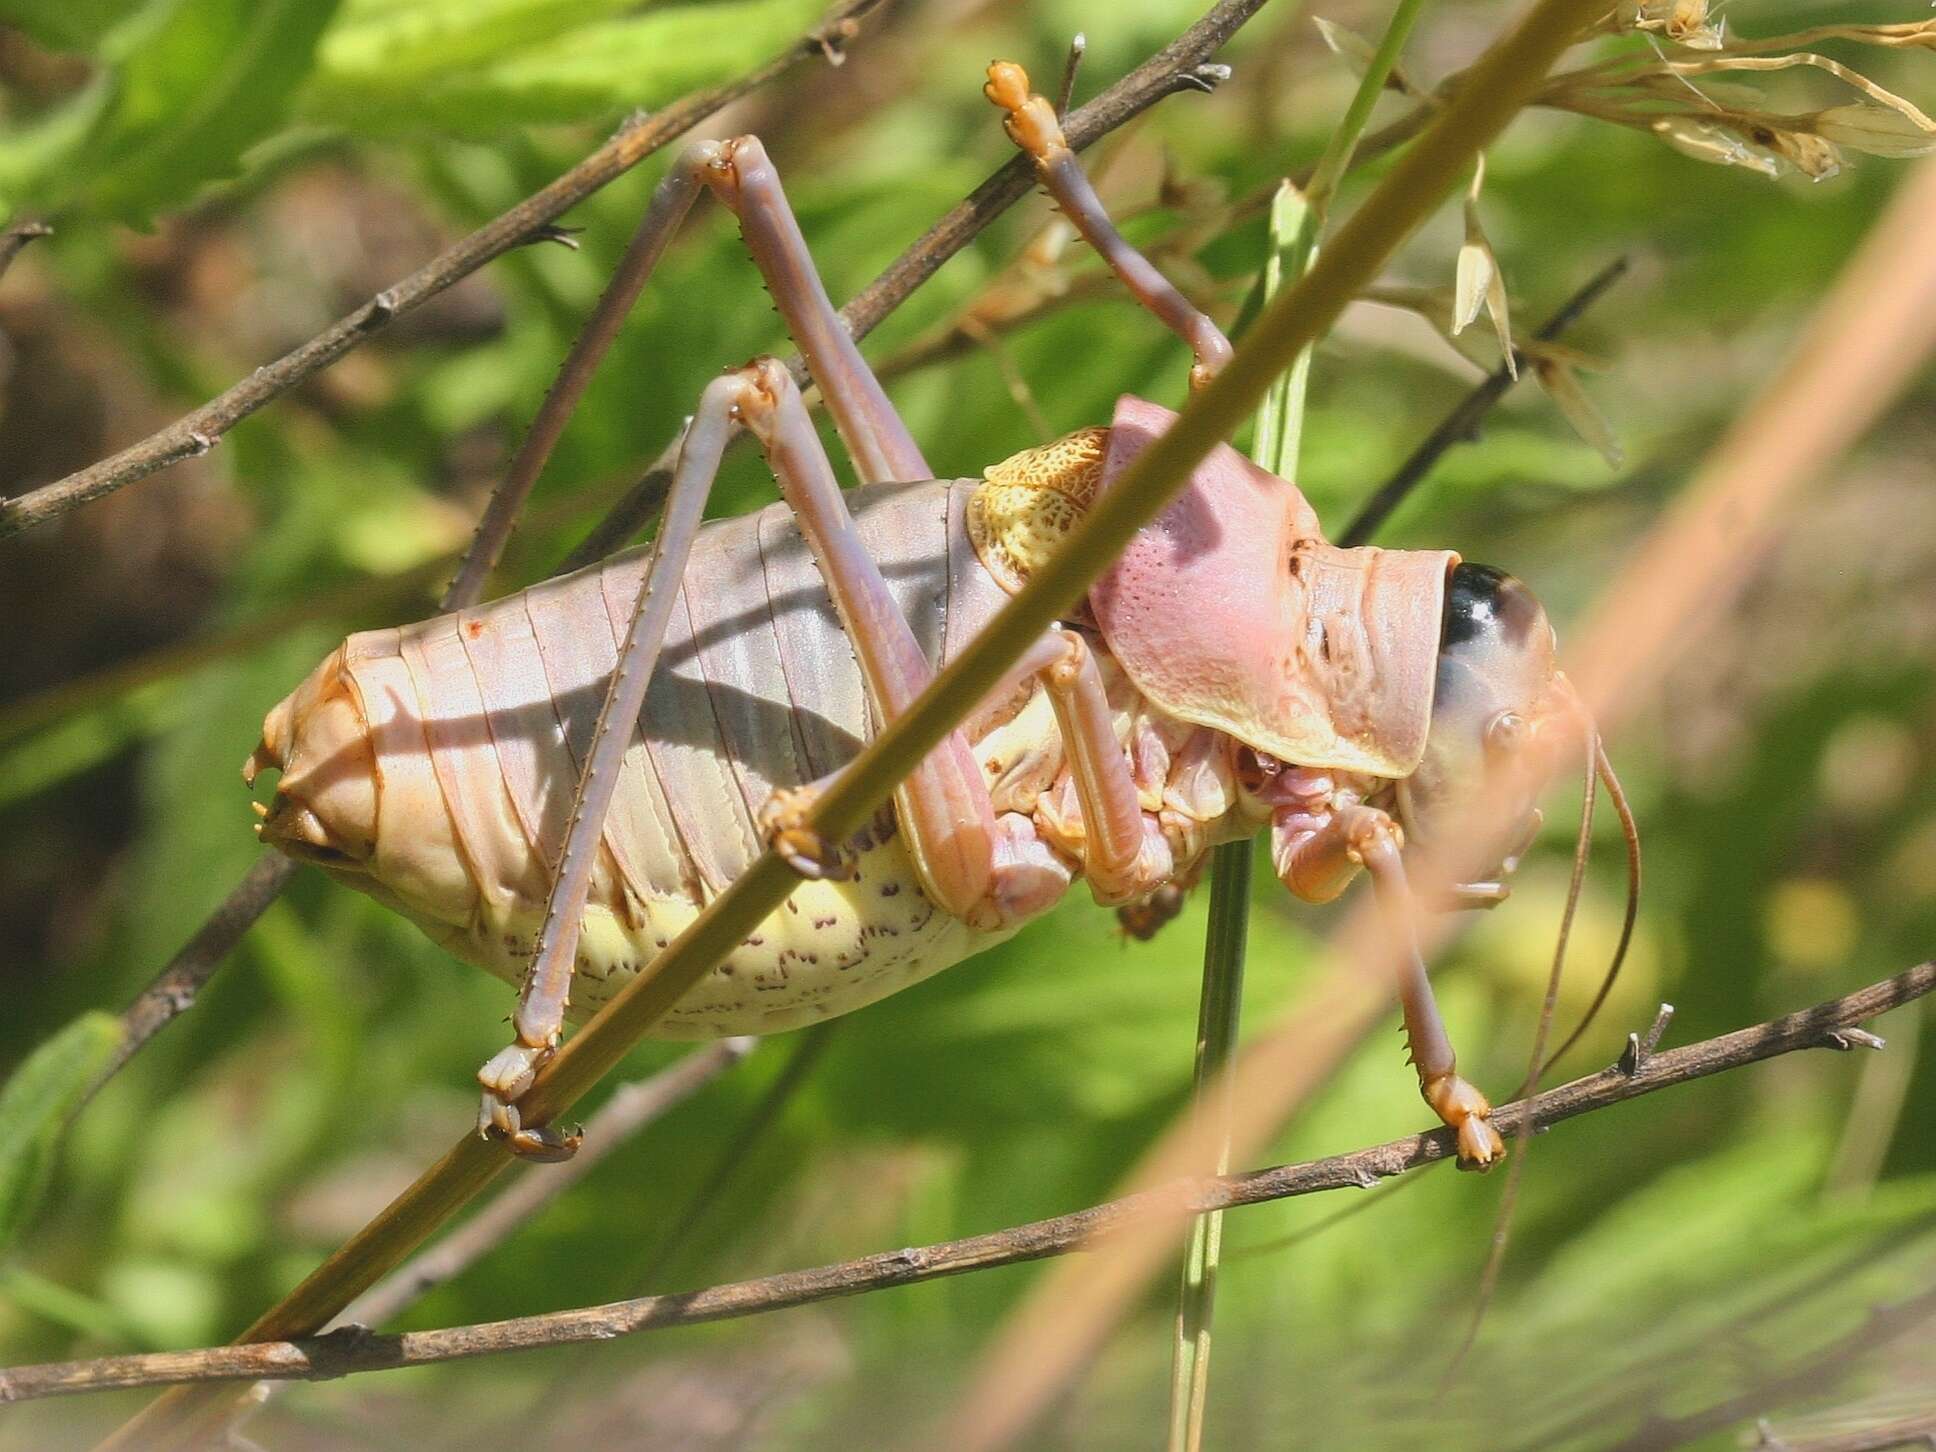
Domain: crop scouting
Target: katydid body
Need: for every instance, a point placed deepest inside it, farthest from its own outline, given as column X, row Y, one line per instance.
column 555, row 784
column 480, row 723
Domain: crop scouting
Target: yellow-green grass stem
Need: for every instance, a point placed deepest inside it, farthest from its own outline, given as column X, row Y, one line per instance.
column 1499, row 84
column 1280, row 425
column 1296, row 221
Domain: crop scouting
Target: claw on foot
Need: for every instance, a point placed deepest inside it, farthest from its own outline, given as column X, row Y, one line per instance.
column 505, row 1077
column 545, row 1144
column 784, row 821
column 1469, row 1112
column 1146, row 917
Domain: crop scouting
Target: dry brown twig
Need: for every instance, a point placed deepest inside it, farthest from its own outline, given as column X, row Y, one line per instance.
column 1832, row 1025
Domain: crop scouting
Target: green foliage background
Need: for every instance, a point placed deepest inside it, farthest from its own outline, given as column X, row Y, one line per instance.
column 226, row 177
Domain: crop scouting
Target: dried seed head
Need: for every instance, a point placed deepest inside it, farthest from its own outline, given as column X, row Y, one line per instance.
column 1721, row 143
column 1558, row 370
column 1699, row 106
column 1811, row 155
column 1685, row 22
column 1478, row 282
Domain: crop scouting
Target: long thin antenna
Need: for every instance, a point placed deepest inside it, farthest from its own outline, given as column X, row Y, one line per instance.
column 1535, row 1067
column 1631, row 831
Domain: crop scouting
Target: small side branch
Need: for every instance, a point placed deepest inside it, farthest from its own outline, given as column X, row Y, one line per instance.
column 1461, row 425
column 14, row 239
column 354, row 1349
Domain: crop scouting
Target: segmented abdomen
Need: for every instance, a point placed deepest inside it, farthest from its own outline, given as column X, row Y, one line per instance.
column 757, row 688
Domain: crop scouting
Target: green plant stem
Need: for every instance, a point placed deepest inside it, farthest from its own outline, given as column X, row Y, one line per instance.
column 1296, row 220
column 1280, row 422
column 1218, row 1017
column 1280, row 426
column 1338, row 151
column 1336, row 158
column 1500, row 83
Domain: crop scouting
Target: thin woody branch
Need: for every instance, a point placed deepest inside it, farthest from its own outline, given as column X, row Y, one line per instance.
column 630, row 1109
column 1502, row 81
column 1832, row 1025
column 1462, row 423
column 198, row 432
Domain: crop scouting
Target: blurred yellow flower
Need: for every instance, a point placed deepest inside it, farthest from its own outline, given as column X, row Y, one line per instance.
column 1811, row 923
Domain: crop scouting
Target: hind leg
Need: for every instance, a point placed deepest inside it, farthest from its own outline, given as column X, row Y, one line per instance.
column 957, row 823
column 742, row 177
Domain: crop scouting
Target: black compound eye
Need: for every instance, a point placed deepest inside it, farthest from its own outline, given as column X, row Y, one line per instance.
column 1482, row 601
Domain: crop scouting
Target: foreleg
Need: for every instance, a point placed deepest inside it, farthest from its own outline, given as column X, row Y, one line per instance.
column 1125, row 855
column 1316, row 848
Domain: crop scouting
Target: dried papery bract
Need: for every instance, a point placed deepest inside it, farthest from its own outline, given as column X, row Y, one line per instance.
column 1697, row 105
column 1691, row 23
column 1358, row 53
column 1480, row 283
column 1558, row 369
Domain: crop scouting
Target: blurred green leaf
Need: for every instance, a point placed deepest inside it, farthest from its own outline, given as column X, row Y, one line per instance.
column 34, row 1108
column 66, row 24
column 431, row 38
column 508, row 72
column 189, row 86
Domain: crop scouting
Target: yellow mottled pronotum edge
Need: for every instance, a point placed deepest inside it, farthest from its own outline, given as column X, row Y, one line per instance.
column 1497, row 86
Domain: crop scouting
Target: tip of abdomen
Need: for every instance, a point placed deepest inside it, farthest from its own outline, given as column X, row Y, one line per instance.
column 325, row 804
